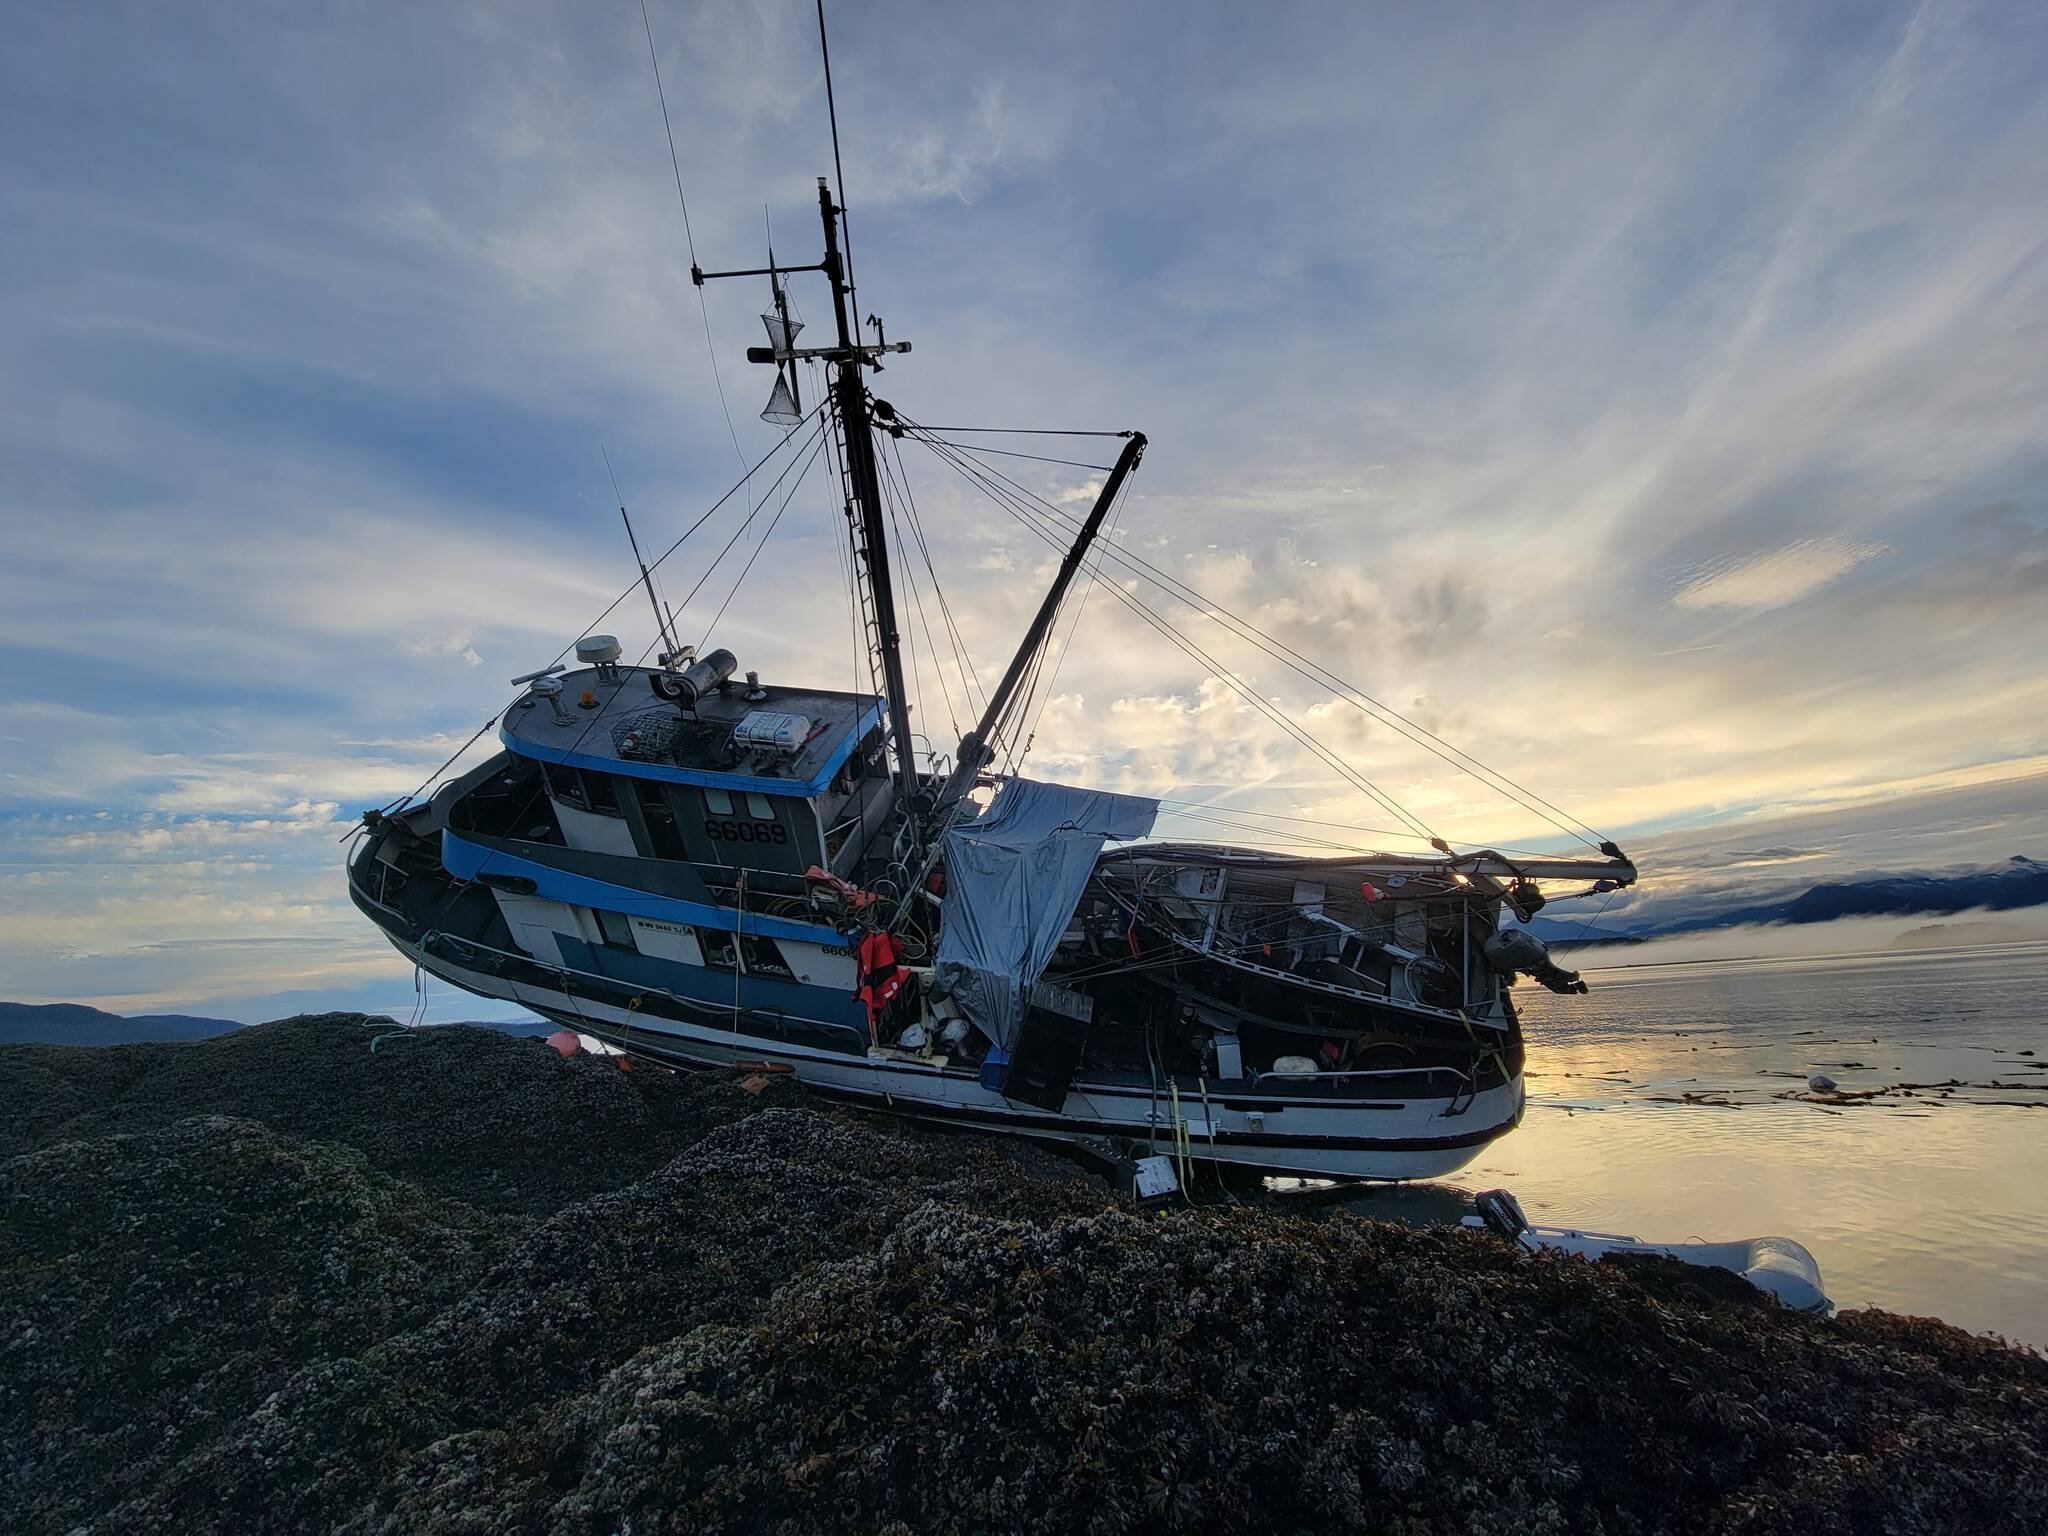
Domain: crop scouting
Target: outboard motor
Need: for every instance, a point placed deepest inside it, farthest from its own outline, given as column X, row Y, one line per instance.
column 1517, row 949
column 694, row 681
column 1502, row 1212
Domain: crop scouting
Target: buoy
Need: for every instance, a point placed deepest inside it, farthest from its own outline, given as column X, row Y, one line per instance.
column 1820, row 1082
column 564, row 1042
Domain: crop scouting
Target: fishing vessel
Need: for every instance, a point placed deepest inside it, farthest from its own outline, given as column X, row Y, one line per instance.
column 708, row 868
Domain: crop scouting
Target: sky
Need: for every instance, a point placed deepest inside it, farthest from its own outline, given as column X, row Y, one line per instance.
column 1648, row 399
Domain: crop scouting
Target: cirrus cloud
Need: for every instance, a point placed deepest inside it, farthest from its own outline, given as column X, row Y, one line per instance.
column 1776, row 577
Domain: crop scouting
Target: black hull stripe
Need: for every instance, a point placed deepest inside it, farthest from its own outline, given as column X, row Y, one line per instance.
column 995, row 1120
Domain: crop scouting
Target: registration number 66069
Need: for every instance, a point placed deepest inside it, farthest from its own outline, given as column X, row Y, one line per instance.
column 729, row 830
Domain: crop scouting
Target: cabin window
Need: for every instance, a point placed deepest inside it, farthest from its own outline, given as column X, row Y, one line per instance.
column 664, row 837
column 718, row 801
column 763, row 957
column 601, row 793
column 585, row 791
column 758, row 807
column 566, row 785
column 617, row 930
column 716, row 944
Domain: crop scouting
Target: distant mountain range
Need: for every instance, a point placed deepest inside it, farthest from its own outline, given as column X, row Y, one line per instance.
column 76, row 1024
column 2019, row 882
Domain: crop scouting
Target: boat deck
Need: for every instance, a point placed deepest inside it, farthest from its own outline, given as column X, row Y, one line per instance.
column 626, row 728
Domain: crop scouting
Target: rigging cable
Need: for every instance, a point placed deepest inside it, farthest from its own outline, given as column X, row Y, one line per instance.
column 463, row 884
column 690, row 238
column 1067, row 645
column 1217, row 812
column 908, row 641
column 896, row 490
column 759, row 465
column 961, row 657
column 1026, row 431
column 1041, row 458
column 810, row 460
column 1314, row 671
column 1221, row 673
column 889, row 501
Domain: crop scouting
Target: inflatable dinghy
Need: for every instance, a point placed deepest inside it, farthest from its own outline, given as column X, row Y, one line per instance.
column 1777, row 1266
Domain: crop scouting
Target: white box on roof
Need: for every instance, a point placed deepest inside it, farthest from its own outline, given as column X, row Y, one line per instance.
column 772, row 729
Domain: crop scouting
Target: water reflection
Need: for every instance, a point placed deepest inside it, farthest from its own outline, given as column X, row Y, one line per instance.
column 1671, row 1102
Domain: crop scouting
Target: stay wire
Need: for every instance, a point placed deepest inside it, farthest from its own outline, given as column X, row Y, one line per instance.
column 890, row 502
column 690, row 238
column 1026, row 517
column 1312, row 670
column 760, row 464
column 962, row 663
column 767, row 533
column 747, row 522
column 1217, row 812
column 1275, row 833
column 1012, row 453
column 1006, row 731
column 1025, row 431
column 1223, row 674
column 909, row 641
column 1080, row 611
column 464, row 883
column 1021, row 739
column 962, row 658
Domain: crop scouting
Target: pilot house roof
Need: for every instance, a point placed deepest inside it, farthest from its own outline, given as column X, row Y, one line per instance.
column 728, row 741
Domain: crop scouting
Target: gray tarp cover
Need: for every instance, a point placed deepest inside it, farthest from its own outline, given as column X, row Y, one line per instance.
column 1013, row 878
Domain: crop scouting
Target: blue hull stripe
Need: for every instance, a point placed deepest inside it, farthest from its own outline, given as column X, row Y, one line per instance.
column 463, row 859
column 772, row 994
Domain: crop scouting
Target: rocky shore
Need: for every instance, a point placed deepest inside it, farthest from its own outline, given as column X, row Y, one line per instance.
column 281, row 1281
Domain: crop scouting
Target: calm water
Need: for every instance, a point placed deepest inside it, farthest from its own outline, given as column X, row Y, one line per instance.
column 1932, row 1202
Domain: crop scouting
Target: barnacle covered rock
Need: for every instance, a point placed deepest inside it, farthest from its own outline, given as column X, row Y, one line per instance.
column 277, row 1283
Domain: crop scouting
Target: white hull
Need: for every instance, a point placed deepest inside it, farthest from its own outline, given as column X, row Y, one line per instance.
column 1392, row 1139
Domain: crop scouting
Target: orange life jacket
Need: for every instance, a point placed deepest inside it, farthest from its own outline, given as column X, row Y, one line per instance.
column 881, row 972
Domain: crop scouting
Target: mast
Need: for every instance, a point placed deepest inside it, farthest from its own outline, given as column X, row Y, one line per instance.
column 850, row 404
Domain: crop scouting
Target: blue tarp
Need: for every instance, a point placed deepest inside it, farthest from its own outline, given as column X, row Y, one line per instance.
column 1013, row 878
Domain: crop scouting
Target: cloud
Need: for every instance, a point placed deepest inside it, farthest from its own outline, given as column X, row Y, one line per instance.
column 1776, row 578
column 445, row 645
column 305, row 462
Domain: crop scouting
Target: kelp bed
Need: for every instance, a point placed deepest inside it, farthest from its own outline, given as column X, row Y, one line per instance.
column 280, row 1282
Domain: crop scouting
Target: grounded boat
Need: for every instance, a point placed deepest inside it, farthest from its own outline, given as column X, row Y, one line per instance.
column 707, row 869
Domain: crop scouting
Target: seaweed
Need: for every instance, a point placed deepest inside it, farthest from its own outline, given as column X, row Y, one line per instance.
column 274, row 1282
